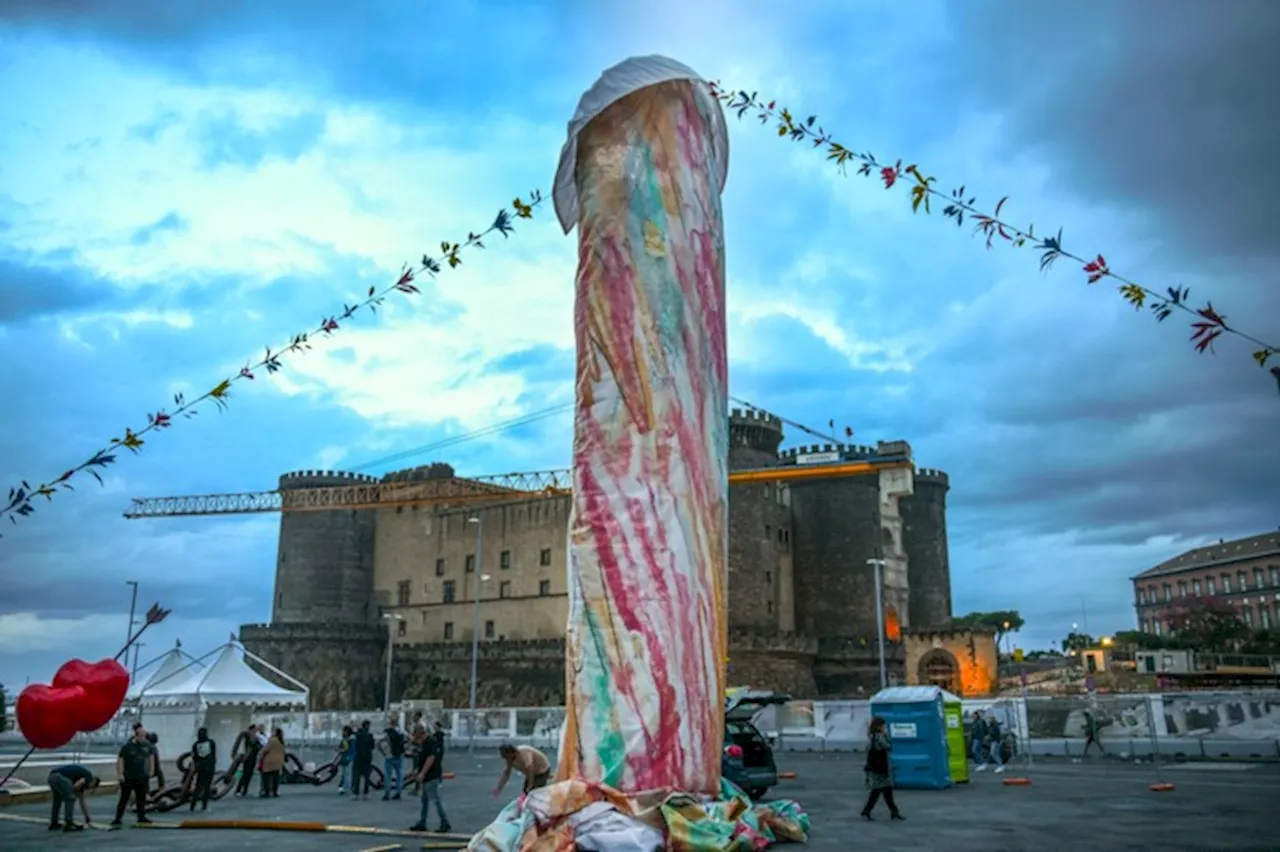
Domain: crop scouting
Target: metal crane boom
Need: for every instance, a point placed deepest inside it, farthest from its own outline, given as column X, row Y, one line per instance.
column 446, row 491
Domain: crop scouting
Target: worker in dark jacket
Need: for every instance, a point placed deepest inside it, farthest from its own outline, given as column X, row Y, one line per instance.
column 363, row 761
column 68, row 784
column 204, row 760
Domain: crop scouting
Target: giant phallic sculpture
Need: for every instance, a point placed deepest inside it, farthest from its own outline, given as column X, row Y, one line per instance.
column 639, row 763
column 646, row 639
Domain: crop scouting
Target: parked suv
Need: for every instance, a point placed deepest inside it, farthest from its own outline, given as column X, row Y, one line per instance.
column 747, row 760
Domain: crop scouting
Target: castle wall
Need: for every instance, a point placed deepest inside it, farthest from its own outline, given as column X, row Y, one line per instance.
column 896, row 484
column 337, row 662
column 924, row 516
column 424, row 570
column 849, row 667
column 761, row 595
column 324, row 560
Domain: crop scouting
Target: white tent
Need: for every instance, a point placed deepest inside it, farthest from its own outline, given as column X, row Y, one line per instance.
column 222, row 698
column 174, row 667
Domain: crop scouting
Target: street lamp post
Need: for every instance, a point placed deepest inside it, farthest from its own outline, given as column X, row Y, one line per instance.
column 475, row 630
column 386, row 695
column 133, row 608
column 877, row 566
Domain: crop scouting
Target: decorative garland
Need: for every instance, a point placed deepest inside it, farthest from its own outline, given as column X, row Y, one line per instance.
column 1207, row 324
column 21, row 498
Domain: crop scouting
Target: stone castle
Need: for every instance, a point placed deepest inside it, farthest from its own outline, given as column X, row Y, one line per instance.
column 801, row 593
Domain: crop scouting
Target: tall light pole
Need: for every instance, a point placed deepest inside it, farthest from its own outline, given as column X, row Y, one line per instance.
column 133, row 608
column 386, row 695
column 877, row 566
column 475, row 628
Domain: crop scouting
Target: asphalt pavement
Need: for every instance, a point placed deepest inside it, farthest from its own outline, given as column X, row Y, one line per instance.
column 1099, row 806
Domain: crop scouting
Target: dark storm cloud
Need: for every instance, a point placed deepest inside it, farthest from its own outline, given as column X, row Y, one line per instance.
column 405, row 52
column 33, row 286
column 1171, row 106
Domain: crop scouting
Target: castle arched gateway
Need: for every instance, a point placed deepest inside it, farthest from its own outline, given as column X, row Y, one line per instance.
column 939, row 668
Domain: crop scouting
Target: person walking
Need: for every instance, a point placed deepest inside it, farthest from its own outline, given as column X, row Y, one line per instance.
column 392, row 747
column 204, row 760
column 995, row 744
column 69, row 784
column 879, row 770
column 978, row 741
column 135, row 766
column 346, row 748
column 363, row 761
column 1090, row 735
column 272, row 765
column 428, row 770
column 252, row 750
column 526, row 760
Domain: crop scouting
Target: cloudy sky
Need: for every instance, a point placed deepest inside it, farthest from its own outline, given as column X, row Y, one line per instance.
column 184, row 184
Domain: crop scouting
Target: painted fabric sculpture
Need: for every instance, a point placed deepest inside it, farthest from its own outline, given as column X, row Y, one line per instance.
column 639, row 763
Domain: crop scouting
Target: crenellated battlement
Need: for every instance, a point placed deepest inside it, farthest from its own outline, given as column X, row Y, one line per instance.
column 435, row 470
column 305, row 478
column 929, row 474
column 756, row 432
column 847, row 451
column 754, row 417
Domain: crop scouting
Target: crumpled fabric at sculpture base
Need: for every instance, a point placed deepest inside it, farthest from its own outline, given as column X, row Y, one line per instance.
column 579, row 815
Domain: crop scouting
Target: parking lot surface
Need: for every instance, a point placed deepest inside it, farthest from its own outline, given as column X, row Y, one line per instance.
column 1100, row 806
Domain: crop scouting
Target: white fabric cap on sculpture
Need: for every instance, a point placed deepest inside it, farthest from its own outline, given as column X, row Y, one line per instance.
column 616, row 83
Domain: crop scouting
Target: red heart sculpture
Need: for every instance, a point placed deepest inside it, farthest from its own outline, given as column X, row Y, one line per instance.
column 47, row 715
column 104, row 683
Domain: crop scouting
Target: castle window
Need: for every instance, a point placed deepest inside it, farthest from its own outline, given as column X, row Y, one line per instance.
column 504, row 589
column 1195, row 588
column 488, row 630
column 471, row 563
column 1210, row 586
column 1226, row 584
column 401, row 627
column 449, row 591
column 1168, row 592
column 1275, row 574
column 544, row 588
column 544, row 558
column 1258, row 582
column 768, row 531
column 279, row 599
column 504, row 560
column 440, row 567
column 1242, row 580
column 768, row 577
column 402, row 593
column 1182, row 588
column 448, row 631
column 1264, row 615
column 1248, row 617
column 1142, row 596
column 769, row 607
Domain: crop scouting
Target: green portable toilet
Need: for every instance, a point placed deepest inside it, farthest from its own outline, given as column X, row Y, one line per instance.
column 957, row 756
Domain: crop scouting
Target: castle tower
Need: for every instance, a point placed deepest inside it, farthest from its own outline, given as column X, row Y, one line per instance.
column 837, row 529
column 761, row 591
column 924, row 516
column 754, row 437
column 324, row 564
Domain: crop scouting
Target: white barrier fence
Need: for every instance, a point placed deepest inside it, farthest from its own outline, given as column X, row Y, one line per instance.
column 1193, row 725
